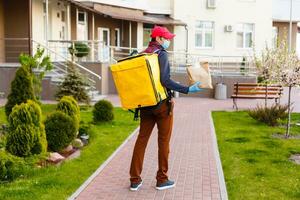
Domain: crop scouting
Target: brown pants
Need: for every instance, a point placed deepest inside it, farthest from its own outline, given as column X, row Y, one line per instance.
column 164, row 120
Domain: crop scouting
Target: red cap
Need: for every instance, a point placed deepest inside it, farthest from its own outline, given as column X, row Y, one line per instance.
column 159, row 31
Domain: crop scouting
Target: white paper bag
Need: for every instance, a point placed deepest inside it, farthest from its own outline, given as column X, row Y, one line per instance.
column 200, row 73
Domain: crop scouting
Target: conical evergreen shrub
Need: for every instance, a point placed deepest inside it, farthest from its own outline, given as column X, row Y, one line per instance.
column 21, row 90
column 26, row 135
column 74, row 85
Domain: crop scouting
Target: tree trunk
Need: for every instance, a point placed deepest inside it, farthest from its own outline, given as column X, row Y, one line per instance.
column 288, row 125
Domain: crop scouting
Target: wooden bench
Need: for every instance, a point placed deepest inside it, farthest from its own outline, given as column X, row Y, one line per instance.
column 256, row 91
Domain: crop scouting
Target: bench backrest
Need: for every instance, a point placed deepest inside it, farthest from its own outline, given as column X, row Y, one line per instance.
column 252, row 89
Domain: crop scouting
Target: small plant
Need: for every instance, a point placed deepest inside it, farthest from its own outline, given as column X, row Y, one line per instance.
column 243, row 66
column 69, row 105
column 37, row 65
column 11, row 166
column 60, row 130
column 74, row 84
column 103, row 111
column 21, row 90
column 79, row 49
column 83, row 129
column 26, row 135
column 269, row 115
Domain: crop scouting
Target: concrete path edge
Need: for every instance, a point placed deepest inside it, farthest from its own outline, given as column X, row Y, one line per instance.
column 101, row 167
column 222, row 184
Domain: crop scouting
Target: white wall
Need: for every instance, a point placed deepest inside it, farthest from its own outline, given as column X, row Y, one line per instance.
column 38, row 28
column 158, row 6
column 140, row 35
column 55, row 23
column 229, row 12
column 281, row 10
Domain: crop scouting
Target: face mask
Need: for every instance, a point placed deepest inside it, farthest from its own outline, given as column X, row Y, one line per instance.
column 166, row 44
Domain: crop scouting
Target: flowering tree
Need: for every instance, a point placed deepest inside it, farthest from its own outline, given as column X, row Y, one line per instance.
column 280, row 66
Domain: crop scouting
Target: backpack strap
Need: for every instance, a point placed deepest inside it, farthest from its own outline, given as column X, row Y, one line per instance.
column 136, row 113
column 157, row 51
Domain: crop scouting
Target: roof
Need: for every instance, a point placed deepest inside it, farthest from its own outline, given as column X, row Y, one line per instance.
column 136, row 15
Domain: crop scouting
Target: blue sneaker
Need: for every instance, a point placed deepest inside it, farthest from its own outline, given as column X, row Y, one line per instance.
column 166, row 185
column 135, row 186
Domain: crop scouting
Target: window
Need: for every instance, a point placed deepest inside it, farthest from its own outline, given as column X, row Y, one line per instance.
column 81, row 17
column 275, row 36
column 117, row 37
column 245, row 34
column 146, row 34
column 204, row 34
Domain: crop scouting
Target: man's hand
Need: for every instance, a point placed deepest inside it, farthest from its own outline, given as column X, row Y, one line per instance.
column 195, row 87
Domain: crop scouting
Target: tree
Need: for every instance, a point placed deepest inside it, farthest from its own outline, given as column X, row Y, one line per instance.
column 37, row 65
column 21, row 90
column 280, row 66
column 74, row 85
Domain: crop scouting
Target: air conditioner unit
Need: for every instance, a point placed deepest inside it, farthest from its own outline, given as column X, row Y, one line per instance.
column 211, row 3
column 228, row 28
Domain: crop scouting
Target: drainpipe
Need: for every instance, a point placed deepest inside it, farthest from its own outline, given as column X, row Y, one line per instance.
column 69, row 21
column 93, row 37
column 47, row 23
column 187, row 44
column 291, row 25
column 30, row 26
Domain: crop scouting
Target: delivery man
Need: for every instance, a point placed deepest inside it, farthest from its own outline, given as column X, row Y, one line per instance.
column 161, row 114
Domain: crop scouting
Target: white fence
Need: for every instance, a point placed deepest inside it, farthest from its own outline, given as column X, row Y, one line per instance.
column 98, row 52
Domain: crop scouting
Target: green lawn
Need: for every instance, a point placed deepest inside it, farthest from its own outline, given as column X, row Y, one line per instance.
column 60, row 182
column 255, row 165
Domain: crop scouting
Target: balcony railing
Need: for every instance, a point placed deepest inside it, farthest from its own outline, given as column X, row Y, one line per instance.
column 98, row 52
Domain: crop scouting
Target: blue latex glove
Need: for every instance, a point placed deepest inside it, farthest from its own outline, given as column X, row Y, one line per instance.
column 195, row 88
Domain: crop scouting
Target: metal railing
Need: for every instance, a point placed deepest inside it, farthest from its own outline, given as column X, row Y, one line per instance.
column 11, row 48
column 60, row 63
column 179, row 60
column 219, row 65
column 90, row 50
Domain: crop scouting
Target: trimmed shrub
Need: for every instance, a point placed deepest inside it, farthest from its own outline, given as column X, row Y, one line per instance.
column 269, row 115
column 21, row 90
column 69, row 106
column 40, row 145
column 11, row 166
column 26, row 133
column 103, row 111
column 60, row 130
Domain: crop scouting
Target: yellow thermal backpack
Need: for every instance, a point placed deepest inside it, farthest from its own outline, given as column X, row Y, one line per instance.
column 137, row 79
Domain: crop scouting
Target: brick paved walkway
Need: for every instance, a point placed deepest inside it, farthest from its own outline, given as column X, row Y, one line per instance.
column 193, row 164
